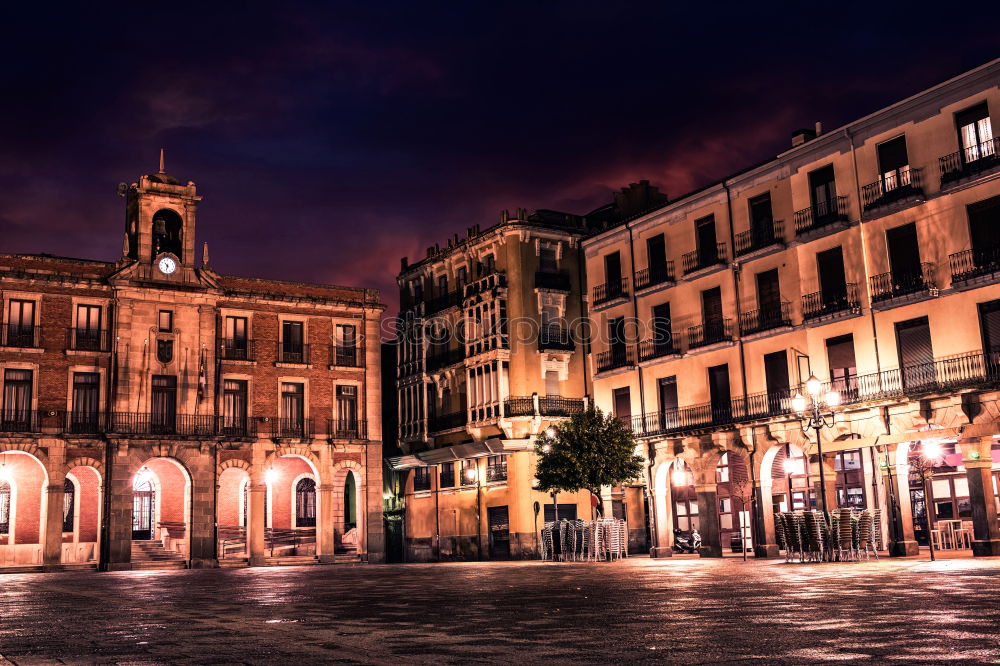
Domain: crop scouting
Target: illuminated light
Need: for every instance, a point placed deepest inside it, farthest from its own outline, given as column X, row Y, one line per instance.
column 534, row 483
column 974, row 455
column 799, row 403
column 679, row 477
column 471, row 474
column 550, row 433
column 270, row 476
column 142, row 478
column 546, row 448
column 5, row 476
column 931, row 450
column 813, row 386
column 832, row 398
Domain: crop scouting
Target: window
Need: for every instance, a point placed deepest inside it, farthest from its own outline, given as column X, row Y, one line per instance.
column 462, row 277
column 4, row 507
column 760, row 213
column 823, row 194
column 166, row 321
column 904, row 257
column 234, row 406
column 88, row 328
column 722, row 469
column 235, row 343
column 17, row 387
column 712, row 319
column 768, row 296
column 305, row 503
column 551, row 383
column 718, row 389
column 667, row 393
column 347, row 345
column 623, row 404
column 421, row 479
column 984, row 233
column 547, row 260
column 447, row 476
column 488, row 266
column 705, row 241
column 292, row 407
column 613, row 274
column 496, row 469
column 20, row 328
column 69, row 504
column 347, row 411
column 916, row 356
column 86, row 396
column 418, row 291
column 163, row 404
column 840, row 358
column 776, row 380
column 893, row 163
column 989, row 323
column 656, row 257
column 975, row 133
column 442, row 285
column 832, row 282
column 470, row 472
column 292, row 347
column 662, row 334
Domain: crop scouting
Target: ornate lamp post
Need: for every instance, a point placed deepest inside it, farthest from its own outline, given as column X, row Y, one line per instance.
column 816, row 412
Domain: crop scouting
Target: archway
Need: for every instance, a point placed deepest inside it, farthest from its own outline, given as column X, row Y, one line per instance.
column 786, row 466
column 23, row 482
column 663, row 507
column 161, row 509
column 232, row 511
column 684, row 498
column 350, row 503
column 167, row 228
column 349, row 508
column 938, row 488
column 81, row 515
column 290, row 505
column 734, row 490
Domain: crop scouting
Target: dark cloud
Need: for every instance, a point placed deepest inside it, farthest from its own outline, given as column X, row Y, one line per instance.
column 329, row 140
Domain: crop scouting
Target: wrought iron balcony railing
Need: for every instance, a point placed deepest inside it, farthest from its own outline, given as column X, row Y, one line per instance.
column 236, row 349
column 888, row 286
column 650, row 349
column 556, row 338
column 974, row 263
column 443, row 359
column 765, row 319
column 821, row 214
column 290, row 428
column 555, row 281
column 443, row 302
column 345, row 356
column 704, row 258
column 710, row 332
column 295, row 353
column 611, row 291
column 970, row 161
column 349, row 429
column 824, row 304
column 619, row 356
column 161, row 424
column 551, row 405
column 21, row 336
column 89, row 340
column 236, row 426
column 649, row 277
column 764, row 234
column 496, row 473
column 15, row 420
column 519, row 405
column 891, row 187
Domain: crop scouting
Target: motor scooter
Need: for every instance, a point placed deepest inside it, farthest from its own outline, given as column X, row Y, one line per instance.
column 686, row 543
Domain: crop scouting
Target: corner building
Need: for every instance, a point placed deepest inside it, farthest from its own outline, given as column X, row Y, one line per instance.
column 868, row 256
column 156, row 413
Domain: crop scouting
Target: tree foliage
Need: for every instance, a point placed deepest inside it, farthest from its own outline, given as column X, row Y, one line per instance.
column 589, row 450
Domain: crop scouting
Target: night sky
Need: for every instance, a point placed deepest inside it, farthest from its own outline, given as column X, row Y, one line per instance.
column 327, row 143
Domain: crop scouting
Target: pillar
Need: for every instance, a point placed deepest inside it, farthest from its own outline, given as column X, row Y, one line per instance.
column 119, row 518
column 663, row 515
column 829, row 481
column 204, row 498
column 327, row 519
column 520, row 504
column 766, row 541
column 52, row 549
column 708, row 519
column 256, row 517
column 979, row 471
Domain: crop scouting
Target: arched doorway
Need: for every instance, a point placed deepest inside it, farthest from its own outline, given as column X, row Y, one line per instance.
column 790, row 486
column 23, row 480
column 734, row 490
column 231, row 512
column 143, row 506
column 161, row 510
column 305, row 503
column 350, row 503
column 348, row 535
column 685, row 499
column 81, row 515
column 291, row 506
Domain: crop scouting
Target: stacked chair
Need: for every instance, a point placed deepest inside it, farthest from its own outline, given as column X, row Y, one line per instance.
column 592, row 540
column 844, row 536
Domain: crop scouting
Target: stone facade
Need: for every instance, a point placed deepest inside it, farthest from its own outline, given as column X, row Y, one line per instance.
column 226, row 419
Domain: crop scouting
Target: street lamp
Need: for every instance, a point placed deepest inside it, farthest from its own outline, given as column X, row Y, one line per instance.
column 814, row 412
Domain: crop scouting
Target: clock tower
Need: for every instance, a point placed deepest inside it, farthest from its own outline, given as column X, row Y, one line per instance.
column 160, row 223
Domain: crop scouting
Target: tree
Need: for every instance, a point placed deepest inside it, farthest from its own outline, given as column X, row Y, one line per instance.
column 589, row 450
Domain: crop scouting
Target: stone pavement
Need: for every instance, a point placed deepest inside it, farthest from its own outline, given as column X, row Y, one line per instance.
column 638, row 610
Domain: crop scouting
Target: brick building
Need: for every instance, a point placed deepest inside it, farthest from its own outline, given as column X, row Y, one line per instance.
column 868, row 257
column 157, row 413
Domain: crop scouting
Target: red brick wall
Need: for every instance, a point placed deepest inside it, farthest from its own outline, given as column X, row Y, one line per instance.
column 88, row 502
column 29, row 479
column 230, row 504
column 286, row 470
column 172, row 490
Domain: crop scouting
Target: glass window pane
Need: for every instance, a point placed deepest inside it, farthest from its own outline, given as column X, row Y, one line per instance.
column 941, row 488
column 961, row 487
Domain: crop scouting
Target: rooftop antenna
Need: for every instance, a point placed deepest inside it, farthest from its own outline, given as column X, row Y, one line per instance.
column 162, row 162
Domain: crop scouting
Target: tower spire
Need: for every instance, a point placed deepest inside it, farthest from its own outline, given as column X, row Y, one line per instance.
column 162, row 162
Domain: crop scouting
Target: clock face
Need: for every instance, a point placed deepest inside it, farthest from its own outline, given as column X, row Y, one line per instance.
column 167, row 265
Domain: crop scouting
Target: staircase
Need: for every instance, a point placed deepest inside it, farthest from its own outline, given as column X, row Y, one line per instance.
column 152, row 555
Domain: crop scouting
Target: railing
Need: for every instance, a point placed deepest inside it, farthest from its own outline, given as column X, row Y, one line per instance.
column 821, row 214
column 977, row 262
column 344, row 357
column 892, row 186
column 421, row 479
column 556, row 281
column 21, row 336
column 551, row 405
column 650, row 349
column 555, row 337
column 703, row 258
column 290, row 428
column 496, row 473
column 288, row 539
column 350, row 429
column 160, row 425
column 888, row 286
column 765, row 319
column 823, row 304
column 236, row 349
column 710, row 332
column 759, row 236
column 610, row 291
column 22, row 420
column 443, row 302
column 444, row 359
column 970, row 161
column 295, row 353
column 648, row 277
column 83, row 423
column 239, row 427
column 519, row 405
column 448, row 421
column 87, row 340
column 616, row 357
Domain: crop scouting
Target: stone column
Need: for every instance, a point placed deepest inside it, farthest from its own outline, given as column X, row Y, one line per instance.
column 52, row 550
column 256, row 517
column 204, row 497
column 663, row 515
column 119, row 518
column 520, row 504
column 326, row 522
column 708, row 520
column 766, row 541
column 979, row 471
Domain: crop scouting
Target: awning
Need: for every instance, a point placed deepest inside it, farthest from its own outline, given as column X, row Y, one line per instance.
column 490, row 447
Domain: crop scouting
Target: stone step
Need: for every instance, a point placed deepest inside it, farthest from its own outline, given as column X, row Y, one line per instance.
column 233, row 563
column 159, row 565
column 291, row 560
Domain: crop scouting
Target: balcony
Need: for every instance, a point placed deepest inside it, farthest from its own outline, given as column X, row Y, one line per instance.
column 970, row 161
column 823, row 305
column 551, row 405
column 820, row 215
column 448, row 421
column 974, row 264
column 704, row 258
column 290, row 428
column 603, row 293
column 766, row 319
column 710, row 333
column 496, row 473
column 236, row 427
column 763, row 235
column 621, row 356
column 523, row 405
column 294, row 353
column 445, row 359
column 350, row 429
column 555, row 338
column 21, row 336
column 889, row 286
column 21, row 420
column 650, row 277
column 553, row 281
column 442, row 303
column 89, row 340
column 893, row 186
column 650, row 349
column 236, row 349
column 343, row 356
column 161, row 425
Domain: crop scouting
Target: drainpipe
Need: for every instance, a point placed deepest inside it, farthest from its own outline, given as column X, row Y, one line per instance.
column 736, row 287
column 864, row 255
column 635, row 318
column 104, row 559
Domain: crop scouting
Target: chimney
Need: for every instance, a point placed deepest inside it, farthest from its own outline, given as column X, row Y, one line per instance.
column 819, row 128
column 403, row 263
column 800, row 136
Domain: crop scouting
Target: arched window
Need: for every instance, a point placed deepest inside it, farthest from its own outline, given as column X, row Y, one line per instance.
column 69, row 502
column 4, row 507
column 305, row 503
column 167, row 226
column 350, row 503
